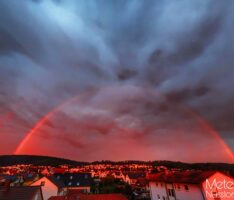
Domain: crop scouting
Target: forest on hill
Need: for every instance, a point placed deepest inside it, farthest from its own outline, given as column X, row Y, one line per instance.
column 7, row 160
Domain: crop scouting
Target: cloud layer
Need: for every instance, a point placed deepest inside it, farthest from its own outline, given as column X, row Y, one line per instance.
column 181, row 52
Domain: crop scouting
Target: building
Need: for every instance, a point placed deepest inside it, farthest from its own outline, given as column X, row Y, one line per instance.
column 45, row 172
column 191, row 185
column 219, row 186
column 58, row 170
column 28, row 179
column 21, row 193
column 81, row 181
column 118, row 175
column 132, row 177
column 12, row 179
column 50, row 186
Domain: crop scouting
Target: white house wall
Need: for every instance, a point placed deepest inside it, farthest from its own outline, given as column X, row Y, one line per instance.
column 194, row 192
column 159, row 190
column 48, row 190
column 156, row 190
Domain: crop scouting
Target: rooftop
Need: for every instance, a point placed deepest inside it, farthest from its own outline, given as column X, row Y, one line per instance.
column 192, row 177
column 103, row 197
column 75, row 179
column 136, row 175
column 56, row 181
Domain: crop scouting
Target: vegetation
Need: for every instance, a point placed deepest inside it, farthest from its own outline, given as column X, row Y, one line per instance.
column 7, row 160
column 110, row 185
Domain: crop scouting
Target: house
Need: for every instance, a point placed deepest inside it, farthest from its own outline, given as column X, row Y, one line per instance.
column 50, row 186
column 191, row 185
column 219, row 186
column 45, row 172
column 58, row 170
column 21, row 193
column 118, row 175
column 28, row 179
column 132, row 177
column 81, row 181
column 12, row 179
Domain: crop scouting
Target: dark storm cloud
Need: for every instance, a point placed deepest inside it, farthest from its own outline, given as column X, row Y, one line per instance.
column 51, row 51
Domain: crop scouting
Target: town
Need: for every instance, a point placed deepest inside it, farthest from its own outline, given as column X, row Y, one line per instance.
column 110, row 181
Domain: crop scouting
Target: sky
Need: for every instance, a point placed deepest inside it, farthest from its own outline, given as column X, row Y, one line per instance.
column 118, row 80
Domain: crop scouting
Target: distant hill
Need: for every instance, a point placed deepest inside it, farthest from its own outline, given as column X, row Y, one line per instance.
column 225, row 167
column 7, row 160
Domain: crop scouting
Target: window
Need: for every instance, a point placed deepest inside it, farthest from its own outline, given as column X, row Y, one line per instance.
column 158, row 196
column 164, row 198
column 69, row 183
column 71, row 177
column 77, row 183
column 186, row 187
column 171, row 192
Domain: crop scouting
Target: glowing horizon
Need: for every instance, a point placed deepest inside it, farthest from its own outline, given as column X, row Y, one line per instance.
column 42, row 121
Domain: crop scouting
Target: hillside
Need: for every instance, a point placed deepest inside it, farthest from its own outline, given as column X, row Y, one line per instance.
column 6, row 160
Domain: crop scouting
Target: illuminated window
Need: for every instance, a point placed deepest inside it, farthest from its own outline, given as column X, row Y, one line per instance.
column 77, row 183
column 69, row 183
column 71, row 177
